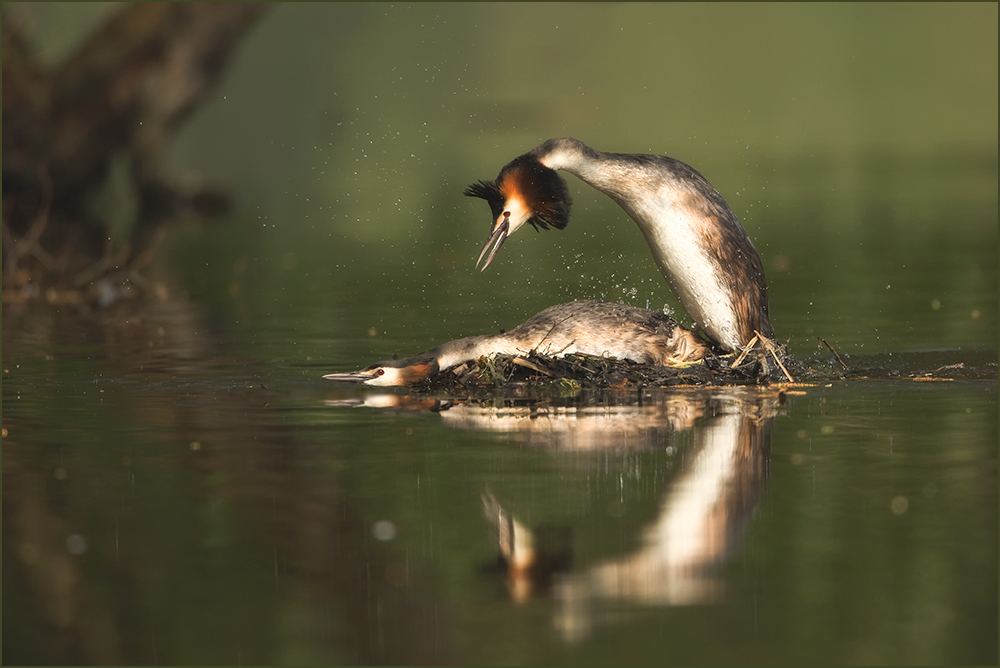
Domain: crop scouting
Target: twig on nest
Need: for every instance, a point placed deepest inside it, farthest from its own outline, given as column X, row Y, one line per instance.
column 769, row 345
column 746, row 351
column 823, row 341
column 520, row 361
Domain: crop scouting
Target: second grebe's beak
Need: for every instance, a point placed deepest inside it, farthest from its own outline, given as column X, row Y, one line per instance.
column 362, row 376
column 497, row 237
column 390, row 373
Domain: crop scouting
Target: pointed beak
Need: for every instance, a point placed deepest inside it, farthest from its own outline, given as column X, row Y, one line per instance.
column 497, row 237
column 352, row 377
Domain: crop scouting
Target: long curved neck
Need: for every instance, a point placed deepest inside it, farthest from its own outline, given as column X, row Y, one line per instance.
column 470, row 348
column 695, row 238
column 577, row 158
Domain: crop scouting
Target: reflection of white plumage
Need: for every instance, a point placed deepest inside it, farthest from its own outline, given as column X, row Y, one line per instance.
column 583, row 327
column 696, row 239
column 514, row 540
column 531, row 558
column 701, row 517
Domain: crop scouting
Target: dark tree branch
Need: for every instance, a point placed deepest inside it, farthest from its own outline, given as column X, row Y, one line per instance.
column 121, row 95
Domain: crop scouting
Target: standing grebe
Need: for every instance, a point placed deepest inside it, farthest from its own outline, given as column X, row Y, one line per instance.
column 583, row 327
column 696, row 239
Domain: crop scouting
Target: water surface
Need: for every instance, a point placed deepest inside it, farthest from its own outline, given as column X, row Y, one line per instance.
column 168, row 502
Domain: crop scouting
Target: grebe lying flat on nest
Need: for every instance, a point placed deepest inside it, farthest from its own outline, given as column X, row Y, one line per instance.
column 696, row 239
column 583, row 327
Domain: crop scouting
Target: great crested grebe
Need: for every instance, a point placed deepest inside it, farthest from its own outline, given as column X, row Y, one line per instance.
column 696, row 239
column 583, row 327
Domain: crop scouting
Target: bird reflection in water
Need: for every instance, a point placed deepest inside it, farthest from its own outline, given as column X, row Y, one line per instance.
column 532, row 558
column 701, row 516
column 701, row 520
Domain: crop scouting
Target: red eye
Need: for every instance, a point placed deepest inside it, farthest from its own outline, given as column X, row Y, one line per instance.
column 379, row 372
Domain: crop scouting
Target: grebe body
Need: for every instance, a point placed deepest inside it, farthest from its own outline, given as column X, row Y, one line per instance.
column 583, row 327
column 697, row 241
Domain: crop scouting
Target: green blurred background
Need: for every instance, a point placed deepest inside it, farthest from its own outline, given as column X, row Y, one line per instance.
column 856, row 142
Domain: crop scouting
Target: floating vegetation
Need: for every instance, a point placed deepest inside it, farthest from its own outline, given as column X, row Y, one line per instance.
column 571, row 373
column 771, row 366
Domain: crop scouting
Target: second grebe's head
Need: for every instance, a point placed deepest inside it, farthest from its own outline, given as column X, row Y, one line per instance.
column 390, row 373
column 526, row 191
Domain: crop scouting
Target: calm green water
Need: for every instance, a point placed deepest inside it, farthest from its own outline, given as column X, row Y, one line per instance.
column 181, row 487
column 203, row 510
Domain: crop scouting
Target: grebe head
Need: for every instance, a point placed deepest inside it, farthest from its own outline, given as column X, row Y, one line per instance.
column 525, row 191
column 390, row 373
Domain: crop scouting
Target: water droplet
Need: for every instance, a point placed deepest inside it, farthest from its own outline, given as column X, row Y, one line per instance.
column 384, row 530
